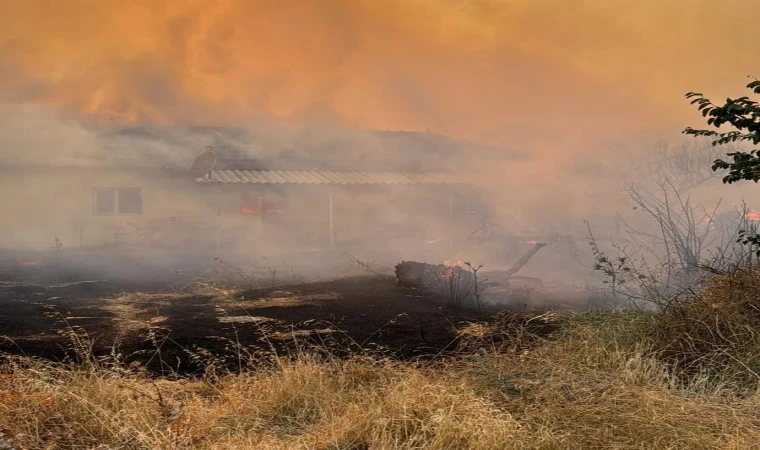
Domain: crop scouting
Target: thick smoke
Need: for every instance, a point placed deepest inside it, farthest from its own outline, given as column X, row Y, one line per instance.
column 149, row 83
column 32, row 135
column 544, row 76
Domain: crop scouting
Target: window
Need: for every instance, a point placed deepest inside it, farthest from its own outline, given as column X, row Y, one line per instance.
column 124, row 200
column 129, row 200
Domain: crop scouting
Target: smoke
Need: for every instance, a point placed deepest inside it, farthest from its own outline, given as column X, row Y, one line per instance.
column 521, row 73
column 33, row 135
column 555, row 79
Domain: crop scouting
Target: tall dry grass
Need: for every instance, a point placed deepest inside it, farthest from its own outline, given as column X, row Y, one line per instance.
column 590, row 387
column 591, row 381
column 714, row 337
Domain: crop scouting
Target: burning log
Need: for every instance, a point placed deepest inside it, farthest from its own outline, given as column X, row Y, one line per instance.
column 416, row 274
column 452, row 281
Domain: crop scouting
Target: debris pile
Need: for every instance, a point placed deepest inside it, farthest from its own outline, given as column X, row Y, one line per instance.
column 457, row 284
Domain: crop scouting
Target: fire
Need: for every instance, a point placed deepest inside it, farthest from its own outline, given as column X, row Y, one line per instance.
column 456, row 260
column 529, row 242
column 753, row 216
column 433, row 241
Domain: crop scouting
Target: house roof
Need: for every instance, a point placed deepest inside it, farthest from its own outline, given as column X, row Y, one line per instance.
column 151, row 147
column 308, row 149
column 326, row 177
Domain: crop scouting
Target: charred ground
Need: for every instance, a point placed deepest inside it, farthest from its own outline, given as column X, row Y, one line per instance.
column 167, row 328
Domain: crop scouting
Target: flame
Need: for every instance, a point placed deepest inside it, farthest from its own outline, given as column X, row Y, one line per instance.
column 433, row 241
column 753, row 216
column 456, row 261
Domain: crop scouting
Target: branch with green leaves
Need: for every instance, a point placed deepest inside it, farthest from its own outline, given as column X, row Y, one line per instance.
column 743, row 114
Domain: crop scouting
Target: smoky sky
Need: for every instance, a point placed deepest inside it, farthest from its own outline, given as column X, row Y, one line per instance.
column 546, row 75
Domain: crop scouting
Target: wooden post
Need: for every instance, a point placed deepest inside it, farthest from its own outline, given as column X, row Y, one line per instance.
column 262, row 222
column 218, row 217
column 451, row 221
column 331, row 217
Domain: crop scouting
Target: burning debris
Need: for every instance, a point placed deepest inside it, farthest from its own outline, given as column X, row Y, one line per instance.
column 456, row 280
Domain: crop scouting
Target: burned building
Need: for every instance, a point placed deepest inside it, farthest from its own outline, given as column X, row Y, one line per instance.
column 387, row 189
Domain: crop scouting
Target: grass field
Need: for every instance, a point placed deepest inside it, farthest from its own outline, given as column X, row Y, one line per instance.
column 681, row 378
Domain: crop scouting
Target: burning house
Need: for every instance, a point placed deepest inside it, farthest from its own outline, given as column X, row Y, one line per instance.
column 228, row 200
column 274, row 207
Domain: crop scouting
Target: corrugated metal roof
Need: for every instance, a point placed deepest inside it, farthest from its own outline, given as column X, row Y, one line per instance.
column 325, row 177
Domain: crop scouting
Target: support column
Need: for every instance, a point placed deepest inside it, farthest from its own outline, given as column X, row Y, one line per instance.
column 451, row 221
column 262, row 223
column 331, row 217
column 218, row 217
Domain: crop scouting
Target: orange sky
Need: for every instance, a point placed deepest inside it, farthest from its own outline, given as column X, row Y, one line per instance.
column 517, row 72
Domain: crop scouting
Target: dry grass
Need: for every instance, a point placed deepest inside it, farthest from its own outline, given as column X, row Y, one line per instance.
column 582, row 390
column 127, row 310
column 304, row 404
column 592, row 381
column 276, row 299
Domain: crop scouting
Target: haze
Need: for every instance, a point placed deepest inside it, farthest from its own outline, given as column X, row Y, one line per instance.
column 557, row 80
column 544, row 75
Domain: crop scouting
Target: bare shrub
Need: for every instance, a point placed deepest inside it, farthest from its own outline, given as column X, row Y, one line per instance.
column 684, row 231
column 615, row 269
column 665, row 261
column 454, row 284
column 686, row 164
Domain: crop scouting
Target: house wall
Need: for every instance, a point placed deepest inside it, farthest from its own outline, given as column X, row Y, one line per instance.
column 363, row 215
column 178, row 213
column 297, row 216
column 44, row 204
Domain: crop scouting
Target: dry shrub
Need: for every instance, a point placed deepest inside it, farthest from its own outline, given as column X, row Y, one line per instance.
column 714, row 337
